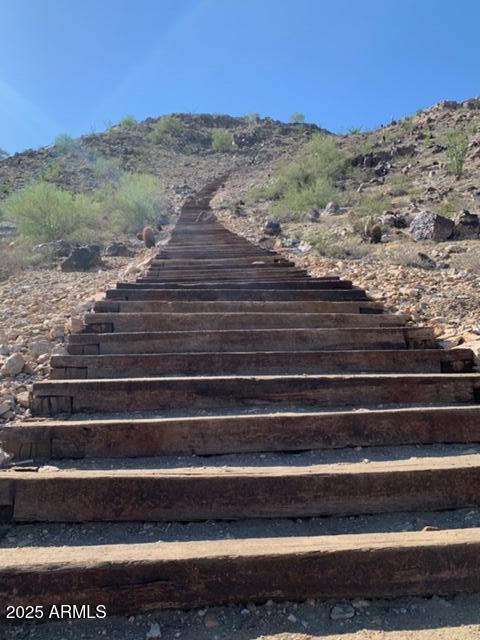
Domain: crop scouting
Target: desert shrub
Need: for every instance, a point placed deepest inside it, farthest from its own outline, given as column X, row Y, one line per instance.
column 309, row 181
column 222, row 140
column 65, row 143
column 400, row 185
column 53, row 171
column 17, row 256
column 252, row 117
column 168, row 130
column 107, row 170
column 456, row 141
column 372, row 204
column 137, row 201
column 44, row 213
column 297, row 118
column 354, row 131
column 407, row 124
column 4, row 190
column 127, row 121
column 329, row 245
column 451, row 204
column 367, row 211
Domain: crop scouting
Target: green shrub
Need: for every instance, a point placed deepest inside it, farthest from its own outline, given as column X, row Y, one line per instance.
column 107, row 170
column 400, row 185
column 127, row 121
column 329, row 245
column 252, row 117
column 407, row 124
column 297, row 118
column 354, row 131
column 222, row 140
column 44, row 213
column 136, row 202
column 168, row 130
column 65, row 143
column 310, row 181
column 451, row 204
column 456, row 141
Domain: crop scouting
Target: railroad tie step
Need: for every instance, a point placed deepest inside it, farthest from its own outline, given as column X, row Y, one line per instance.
column 126, row 437
column 242, row 491
column 222, row 392
column 130, row 578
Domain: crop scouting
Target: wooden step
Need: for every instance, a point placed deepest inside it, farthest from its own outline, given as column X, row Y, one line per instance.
column 213, row 435
column 262, row 363
column 129, row 578
column 239, row 306
column 107, row 322
column 252, row 285
column 164, row 275
column 140, row 293
column 239, row 492
column 224, row 392
column 221, row 263
column 234, row 340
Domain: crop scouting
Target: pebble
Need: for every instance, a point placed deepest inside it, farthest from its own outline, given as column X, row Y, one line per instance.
column 154, row 632
column 342, row 612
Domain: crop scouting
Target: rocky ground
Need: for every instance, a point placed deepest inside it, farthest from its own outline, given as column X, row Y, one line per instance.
column 408, row 619
column 39, row 308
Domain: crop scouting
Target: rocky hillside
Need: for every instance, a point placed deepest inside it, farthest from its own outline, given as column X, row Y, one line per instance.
column 180, row 155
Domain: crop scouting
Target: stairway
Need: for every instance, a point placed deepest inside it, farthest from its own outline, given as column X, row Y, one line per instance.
column 227, row 385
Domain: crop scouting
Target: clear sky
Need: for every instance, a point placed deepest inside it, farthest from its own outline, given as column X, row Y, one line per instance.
column 76, row 66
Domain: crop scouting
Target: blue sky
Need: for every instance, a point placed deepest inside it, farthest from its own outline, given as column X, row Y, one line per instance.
column 76, row 65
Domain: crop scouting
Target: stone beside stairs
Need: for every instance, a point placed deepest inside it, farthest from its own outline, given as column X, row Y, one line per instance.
column 225, row 351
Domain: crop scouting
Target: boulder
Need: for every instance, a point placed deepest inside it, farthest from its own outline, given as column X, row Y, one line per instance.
column 82, row 259
column 467, row 225
column 431, row 226
column 272, row 228
column 118, row 249
column 395, row 219
column 56, row 248
column 13, row 364
column 332, row 209
column 39, row 347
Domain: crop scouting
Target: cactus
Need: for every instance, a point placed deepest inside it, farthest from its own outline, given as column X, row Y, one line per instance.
column 148, row 237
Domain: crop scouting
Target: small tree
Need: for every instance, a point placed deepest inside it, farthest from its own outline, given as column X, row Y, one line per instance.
column 457, row 146
column 3, row 154
column 297, row 118
column 222, row 140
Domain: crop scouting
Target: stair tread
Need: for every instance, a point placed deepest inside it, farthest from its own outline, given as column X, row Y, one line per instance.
column 15, row 559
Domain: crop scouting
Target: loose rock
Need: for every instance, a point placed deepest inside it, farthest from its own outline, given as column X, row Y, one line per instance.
column 431, row 226
column 13, row 365
column 342, row 612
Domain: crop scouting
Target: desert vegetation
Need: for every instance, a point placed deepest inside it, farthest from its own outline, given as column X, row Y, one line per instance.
column 307, row 182
column 167, row 131
column 222, row 140
column 126, row 202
